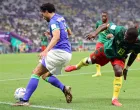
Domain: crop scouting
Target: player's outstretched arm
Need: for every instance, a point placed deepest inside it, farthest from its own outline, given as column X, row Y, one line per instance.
column 129, row 63
column 97, row 31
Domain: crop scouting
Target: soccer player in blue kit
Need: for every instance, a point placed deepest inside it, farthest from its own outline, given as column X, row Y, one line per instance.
column 54, row 57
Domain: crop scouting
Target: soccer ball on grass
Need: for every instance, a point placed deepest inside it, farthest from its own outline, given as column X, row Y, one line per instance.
column 19, row 93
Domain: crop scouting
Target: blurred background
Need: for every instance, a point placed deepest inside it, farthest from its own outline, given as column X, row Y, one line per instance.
column 22, row 27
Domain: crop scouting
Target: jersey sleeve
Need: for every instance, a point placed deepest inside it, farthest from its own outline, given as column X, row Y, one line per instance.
column 115, row 30
column 54, row 26
column 97, row 25
column 67, row 27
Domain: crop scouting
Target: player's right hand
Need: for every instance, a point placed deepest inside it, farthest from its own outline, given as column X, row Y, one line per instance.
column 42, row 54
column 91, row 36
column 125, row 73
column 47, row 33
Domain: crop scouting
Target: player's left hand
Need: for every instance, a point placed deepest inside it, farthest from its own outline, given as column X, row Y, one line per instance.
column 125, row 73
column 91, row 36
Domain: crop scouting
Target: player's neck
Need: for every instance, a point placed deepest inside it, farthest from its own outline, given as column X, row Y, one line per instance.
column 51, row 15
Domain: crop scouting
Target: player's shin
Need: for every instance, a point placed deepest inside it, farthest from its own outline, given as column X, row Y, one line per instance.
column 98, row 68
column 31, row 87
column 83, row 62
column 55, row 82
column 98, row 73
column 65, row 89
column 117, row 86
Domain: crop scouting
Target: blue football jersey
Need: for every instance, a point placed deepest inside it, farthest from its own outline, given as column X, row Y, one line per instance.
column 58, row 22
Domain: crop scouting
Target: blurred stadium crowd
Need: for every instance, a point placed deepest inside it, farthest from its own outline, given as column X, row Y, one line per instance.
column 23, row 17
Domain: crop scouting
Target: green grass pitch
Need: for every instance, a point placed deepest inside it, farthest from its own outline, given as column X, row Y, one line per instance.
column 88, row 93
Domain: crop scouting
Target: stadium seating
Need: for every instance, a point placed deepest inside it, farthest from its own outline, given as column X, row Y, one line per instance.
column 23, row 17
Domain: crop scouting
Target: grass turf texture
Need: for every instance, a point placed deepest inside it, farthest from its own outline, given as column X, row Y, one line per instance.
column 88, row 93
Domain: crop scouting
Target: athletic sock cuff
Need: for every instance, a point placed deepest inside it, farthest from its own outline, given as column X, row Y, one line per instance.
column 47, row 78
column 35, row 76
column 118, row 77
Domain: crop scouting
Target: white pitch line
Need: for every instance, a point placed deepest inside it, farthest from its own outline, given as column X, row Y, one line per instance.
column 76, row 74
column 37, row 106
column 13, row 79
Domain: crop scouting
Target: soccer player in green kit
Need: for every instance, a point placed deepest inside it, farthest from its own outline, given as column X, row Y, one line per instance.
column 115, row 51
column 102, row 38
column 44, row 42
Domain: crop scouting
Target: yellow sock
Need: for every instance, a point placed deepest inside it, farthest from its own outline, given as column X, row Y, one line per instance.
column 98, row 68
column 82, row 63
column 138, row 56
column 117, row 86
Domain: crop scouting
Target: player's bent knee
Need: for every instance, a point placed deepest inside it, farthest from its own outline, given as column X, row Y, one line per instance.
column 118, row 73
column 118, row 70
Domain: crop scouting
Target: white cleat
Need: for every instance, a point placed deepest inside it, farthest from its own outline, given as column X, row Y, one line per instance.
column 21, row 103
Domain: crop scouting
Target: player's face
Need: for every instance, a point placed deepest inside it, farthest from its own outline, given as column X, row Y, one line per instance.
column 104, row 17
column 46, row 16
column 130, row 41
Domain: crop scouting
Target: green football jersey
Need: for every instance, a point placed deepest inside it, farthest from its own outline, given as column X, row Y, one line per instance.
column 44, row 40
column 102, row 35
column 118, row 47
column 80, row 42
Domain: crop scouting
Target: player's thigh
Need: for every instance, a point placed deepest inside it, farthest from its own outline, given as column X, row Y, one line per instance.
column 99, row 57
column 56, row 59
column 118, row 65
column 40, row 70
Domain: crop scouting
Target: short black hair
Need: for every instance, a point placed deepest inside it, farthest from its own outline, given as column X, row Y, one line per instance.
column 105, row 12
column 132, row 33
column 47, row 7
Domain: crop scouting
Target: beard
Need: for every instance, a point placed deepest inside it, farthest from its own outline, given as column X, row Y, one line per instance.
column 47, row 19
column 104, row 20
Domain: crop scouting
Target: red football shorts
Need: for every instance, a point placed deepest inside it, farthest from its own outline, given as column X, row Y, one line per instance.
column 99, row 57
column 98, row 45
column 80, row 46
column 43, row 47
